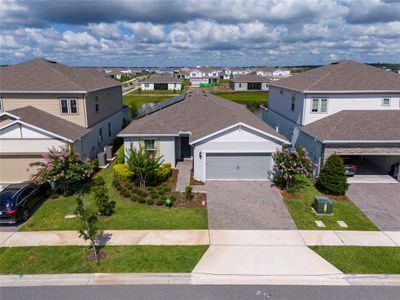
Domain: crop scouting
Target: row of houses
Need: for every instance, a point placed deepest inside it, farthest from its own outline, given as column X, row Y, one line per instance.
column 346, row 108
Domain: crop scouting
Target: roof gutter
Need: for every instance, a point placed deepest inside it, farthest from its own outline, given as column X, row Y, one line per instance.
column 360, row 141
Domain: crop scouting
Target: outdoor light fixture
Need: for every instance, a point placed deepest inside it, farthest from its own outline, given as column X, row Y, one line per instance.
column 200, row 155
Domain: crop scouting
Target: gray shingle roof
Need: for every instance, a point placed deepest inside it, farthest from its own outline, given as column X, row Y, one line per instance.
column 200, row 113
column 343, row 76
column 251, row 78
column 162, row 79
column 51, row 123
column 41, row 75
column 357, row 125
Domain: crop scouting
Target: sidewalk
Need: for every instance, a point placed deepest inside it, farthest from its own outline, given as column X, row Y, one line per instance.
column 183, row 179
column 205, row 237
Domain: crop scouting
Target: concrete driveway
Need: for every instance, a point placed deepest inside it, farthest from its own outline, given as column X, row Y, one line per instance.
column 245, row 205
column 379, row 201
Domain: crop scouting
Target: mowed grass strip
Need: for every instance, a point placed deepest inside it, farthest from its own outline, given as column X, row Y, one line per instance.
column 299, row 206
column 251, row 99
column 128, row 214
column 73, row 259
column 362, row 260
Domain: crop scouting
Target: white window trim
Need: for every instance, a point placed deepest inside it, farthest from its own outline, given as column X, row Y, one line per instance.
column 1, row 104
column 383, row 102
column 319, row 105
column 69, row 106
column 150, row 149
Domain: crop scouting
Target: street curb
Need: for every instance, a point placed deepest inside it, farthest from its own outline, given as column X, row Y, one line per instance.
column 195, row 279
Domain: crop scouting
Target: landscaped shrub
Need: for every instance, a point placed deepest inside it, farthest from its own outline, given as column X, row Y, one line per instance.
column 160, row 202
column 161, row 193
column 289, row 163
column 166, row 188
column 125, row 193
column 123, row 172
column 104, row 205
column 188, row 193
column 134, row 197
column 154, row 195
column 150, row 202
column 163, row 173
column 141, row 199
column 332, row 178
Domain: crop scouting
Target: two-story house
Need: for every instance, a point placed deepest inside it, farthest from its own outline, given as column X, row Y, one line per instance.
column 45, row 104
column 347, row 108
column 274, row 73
column 204, row 75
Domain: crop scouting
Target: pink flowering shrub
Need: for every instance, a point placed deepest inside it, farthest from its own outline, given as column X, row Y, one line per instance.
column 63, row 167
column 289, row 164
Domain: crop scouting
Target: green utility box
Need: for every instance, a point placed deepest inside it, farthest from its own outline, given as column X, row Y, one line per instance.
column 210, row 85
column 323, row 205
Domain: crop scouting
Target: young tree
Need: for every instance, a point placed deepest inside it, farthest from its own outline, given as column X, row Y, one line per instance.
column 289, row 163
column 133, row 111
column 62, row 166
column 143, row 164
column 332, row 178
column 89, row 229
column 104, row 205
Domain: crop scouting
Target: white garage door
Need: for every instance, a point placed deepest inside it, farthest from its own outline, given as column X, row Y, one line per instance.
column 238, row 165
column 14, row 168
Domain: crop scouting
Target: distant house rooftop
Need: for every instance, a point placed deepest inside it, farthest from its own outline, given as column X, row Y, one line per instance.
column 250, row 78
column 40, row 75
column 163, row 79
column 345, row 75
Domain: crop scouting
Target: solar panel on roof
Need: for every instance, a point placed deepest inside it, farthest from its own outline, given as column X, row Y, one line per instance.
column 160, row 105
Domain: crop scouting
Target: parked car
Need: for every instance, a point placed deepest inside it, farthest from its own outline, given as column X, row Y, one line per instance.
column 350, row 166
column 18, row 200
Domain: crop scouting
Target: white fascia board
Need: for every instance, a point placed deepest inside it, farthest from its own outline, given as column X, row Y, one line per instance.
column 44, row 92
column 142, row 135
column 235, row 125
column 5, row 113
column 334, row 92
column 38, row 129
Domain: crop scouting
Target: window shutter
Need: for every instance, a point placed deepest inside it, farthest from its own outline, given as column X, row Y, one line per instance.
column 157, row 144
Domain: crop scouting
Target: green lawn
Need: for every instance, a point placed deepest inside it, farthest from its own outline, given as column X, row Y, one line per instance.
column 362, row 260
column 299, row 206
column 251, row 99
column 72, row 259
column 128, row 214
column 140, row 100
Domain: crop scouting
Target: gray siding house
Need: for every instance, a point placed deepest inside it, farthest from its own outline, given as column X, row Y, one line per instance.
column 249, row 82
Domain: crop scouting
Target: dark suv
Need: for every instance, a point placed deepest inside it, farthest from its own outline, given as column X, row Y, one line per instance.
column 350, row 166
column 18, row 200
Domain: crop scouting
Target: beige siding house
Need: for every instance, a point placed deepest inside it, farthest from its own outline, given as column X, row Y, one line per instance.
column 45, row 104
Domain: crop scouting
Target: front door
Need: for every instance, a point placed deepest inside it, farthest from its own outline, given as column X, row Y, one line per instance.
column 186, row 149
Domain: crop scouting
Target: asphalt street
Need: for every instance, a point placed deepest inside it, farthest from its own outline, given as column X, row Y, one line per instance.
column 196, row 292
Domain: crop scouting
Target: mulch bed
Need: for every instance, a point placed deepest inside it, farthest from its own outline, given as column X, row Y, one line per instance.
column 160, row 193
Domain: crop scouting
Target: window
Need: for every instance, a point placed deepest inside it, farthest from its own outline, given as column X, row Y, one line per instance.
column 386, row 102
column 1, row 104
column 96, row 103
column 26, row 192
column 109, row 129
column 315, row 104
column 146, row 85
column 101, row 136
column 240, row 85
column 73, row 106
column 64, row 106
column 324, row 105
column 254, row 86
column 150, row 146
column 319, row 105
column 293, row 103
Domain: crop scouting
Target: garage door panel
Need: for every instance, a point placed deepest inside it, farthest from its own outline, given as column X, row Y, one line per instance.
column 14, row 168
column 238, row 166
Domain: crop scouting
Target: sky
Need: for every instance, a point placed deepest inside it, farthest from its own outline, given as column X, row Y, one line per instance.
column 205, row 32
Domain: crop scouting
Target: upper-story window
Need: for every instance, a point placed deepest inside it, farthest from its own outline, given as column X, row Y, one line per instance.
column 293, row 103
column 1, row 104
column 386, row 102
column 96, row 103
column 69, row 105
column 319, row 105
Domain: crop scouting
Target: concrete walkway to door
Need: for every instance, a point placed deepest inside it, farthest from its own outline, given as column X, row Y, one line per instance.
column 245, row 205
column 183, row 180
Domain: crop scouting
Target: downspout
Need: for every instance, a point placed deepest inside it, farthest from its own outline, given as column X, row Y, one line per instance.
column 84, row 110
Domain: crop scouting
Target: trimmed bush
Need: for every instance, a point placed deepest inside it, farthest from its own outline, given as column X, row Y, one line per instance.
column 188, row 193
column 141, row 199
column 332, row 178
column 154, row 195
column 126, row 194
column 134, row 198
column 166, row 188
column 122, row 171
column 163, row 172
column 161, row 193
column 160, row 202
column 150, row 202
